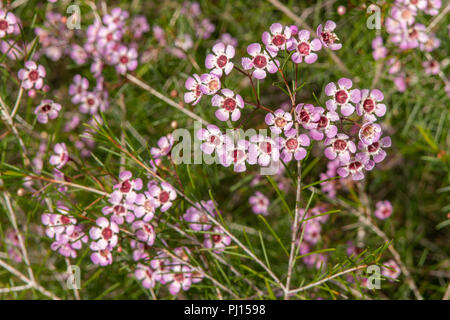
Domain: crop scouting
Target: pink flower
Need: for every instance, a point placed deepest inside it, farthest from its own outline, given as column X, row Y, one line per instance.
column 164, row 146
column 144, row 232
column 119, row 211
column 355, row 167
column 197, row 217
column 210, row 83
column 90, row 103
column 391, row 269
column 431, row 67
column 262, row 150
column 116, row 19
column 327, row 36
column 312, row 231
column 307, row 115
column 379, row 51
column 146, row 275
column 259, row 203
column 217, row 241
column 58, row 224
column 161, row 264
column 279, row 120
column 369, row 133
column 279, row 38
column 78, row 88
column 375, row 150
column 293, row 145
column 259, row 61
column 144, row 208
column 162, row 195
column 339, row 147
column 180, row 278
column 342, row 96
column 7, row 23
column 32, row 76
column 220, row 62
column 383, row 210
column 229, row 105
column 126, row 187
column 193, row 84
column 433, row 7
column 304, row 48
column 324, row 125
column 104, row 235
column 102, row 257
column 47, row 109
column 125, row 59
column 236, row 154
column 214, row 139
column 61, row 157
column 370, row 105
column 139, row 26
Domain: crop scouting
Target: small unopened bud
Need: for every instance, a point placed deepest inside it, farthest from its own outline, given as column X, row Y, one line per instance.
column 174, row 124
column 341, row 10
column 21, row 192
column 173, row 93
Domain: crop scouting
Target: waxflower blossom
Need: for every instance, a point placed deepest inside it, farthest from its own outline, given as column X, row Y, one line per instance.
column 342, row 96
column 58, row 223
column 144, row 232
column 370, row 105
column 139, row 26
column 217, row 241
column 375, row 150
column 279, row 121
column 278, row 38
column 126, row 187
column 235, row 154
column 260, row 62
column 197, row 217
column 210, row 83
column 262, row 150
column 327, row 36
column 163, row 195
column 304, row 48
column 90, row 103
column 78, row 88
column 32, row 76
column 116, row 19
column 102, row 257
column 339, row 147
column 161, row 264
column 144, row 207
column 7, row 23
column 220, row 62
column 259, row 203
column 193, row 84
column 47, row 109
column 229, row 105
column 119, row 211
column 180, row 278
column 61, row 156
column 379, row 51
column 324, row 125
column 104, row 234
column 383, row 210
column 293, row 145
column 146, row 275
column 213, row 139
column 355, row 167
column 431, row 67
column 312, row 231
column 125, row 59
column 164, row 146
column 307, row 115
column 391, row 269
column 369, row 133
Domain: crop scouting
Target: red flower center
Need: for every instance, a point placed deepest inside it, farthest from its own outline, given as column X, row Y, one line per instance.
column 90, row 101
column 214, row 140
column 260, row 61
column 323, row 122
column 65, row 220
column 304, row 48
column 179, row 277
column 266, row 147
column 280, row 122
column 164, row 196
column 198, row 91
column 328, row 37
column 107, row 233
column 339, row 145
column 216, row 238
column 3, row 24
column 222, row 61
column 238, row 155
column 279, row 40
column 373, row 147
column 119, row 210
column 341, row 96
column 33, row 75
column 229, row 104
column 46, row 108
column 369, row 105
column 292, row 143
column 125, row 186
column 124, row 60
column 304, row 116
column 354, row 166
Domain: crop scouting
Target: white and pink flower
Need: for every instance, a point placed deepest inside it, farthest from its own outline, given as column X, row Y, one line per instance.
column 304, row 48
column 342, row 96
column 220, row 60
column 261, row 62
column 229, row 105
